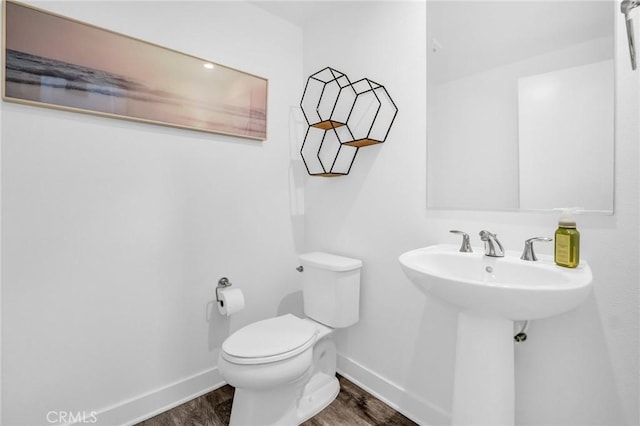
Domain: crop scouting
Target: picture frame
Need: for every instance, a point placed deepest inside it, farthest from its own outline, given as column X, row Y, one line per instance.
column 58, row 62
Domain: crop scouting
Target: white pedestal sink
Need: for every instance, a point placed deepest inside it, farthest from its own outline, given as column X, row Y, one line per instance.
column 490, row 293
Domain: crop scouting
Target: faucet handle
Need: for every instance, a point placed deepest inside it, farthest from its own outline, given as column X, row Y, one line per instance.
column 466, row 246
column 528, row 253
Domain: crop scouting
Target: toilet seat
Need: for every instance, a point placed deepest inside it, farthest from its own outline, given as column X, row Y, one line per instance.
column 269, row 340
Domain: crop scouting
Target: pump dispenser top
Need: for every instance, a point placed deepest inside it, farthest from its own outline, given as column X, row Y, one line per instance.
column 567, row 239
column 567, row 219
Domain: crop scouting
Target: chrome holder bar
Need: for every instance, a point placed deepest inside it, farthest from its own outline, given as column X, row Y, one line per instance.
column 632, row 46
column 625, row 7
column 222, row 283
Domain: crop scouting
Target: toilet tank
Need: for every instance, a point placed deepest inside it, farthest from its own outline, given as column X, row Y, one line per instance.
column 331, row 288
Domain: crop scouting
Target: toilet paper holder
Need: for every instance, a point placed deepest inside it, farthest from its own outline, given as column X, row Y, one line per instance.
column 222, row 283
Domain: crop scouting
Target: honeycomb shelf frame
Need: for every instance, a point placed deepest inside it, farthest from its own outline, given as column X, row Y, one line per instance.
column 324, row 155
column 356, row 115
column 319, row 108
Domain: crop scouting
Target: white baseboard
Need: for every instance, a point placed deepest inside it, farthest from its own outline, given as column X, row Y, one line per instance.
column 145, row 406
column 412, row 406
column 159, row 400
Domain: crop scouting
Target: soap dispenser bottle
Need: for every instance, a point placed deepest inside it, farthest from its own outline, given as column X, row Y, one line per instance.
column 567, row 240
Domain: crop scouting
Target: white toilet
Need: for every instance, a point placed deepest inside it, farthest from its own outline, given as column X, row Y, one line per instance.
column 284, row 368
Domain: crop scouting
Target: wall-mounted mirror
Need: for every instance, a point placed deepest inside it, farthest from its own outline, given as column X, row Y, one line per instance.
column 520, row 105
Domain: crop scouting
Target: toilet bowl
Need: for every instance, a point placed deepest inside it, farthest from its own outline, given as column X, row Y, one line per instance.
column 284, row 368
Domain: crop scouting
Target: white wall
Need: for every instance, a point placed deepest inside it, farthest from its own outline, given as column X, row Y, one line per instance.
column 115, row 233
column 580, row 368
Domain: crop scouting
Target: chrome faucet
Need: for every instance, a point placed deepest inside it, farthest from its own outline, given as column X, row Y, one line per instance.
column 492, row 246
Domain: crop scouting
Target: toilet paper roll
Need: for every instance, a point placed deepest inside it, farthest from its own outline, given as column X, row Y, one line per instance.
column 231, row 301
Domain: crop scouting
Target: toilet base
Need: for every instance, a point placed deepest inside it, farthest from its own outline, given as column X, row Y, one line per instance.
column 289, row 405
column 321, row 390
column 266, row 407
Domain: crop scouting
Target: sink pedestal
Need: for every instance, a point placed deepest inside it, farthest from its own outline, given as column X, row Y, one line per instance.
column 483, row 390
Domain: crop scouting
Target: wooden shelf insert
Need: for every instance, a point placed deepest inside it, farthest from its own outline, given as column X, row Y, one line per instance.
column 327, row 124
column 362, row 142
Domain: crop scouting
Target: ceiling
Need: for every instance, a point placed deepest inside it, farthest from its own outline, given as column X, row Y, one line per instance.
column 300, row 12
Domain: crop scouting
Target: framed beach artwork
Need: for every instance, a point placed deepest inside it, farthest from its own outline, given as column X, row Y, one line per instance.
column 53, row 61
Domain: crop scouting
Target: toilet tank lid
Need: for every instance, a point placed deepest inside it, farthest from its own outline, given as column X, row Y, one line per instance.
column 329, row 262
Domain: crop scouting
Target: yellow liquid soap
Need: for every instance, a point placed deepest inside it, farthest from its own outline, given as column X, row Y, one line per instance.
column 567, row 247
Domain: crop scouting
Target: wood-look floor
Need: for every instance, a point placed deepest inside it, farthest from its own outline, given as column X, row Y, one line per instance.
column 352, row 407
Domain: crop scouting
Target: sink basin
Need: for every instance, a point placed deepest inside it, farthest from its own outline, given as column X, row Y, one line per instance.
column 507, row 287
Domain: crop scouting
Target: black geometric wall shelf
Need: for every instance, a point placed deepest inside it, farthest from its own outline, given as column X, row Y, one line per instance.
column 342, row 118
